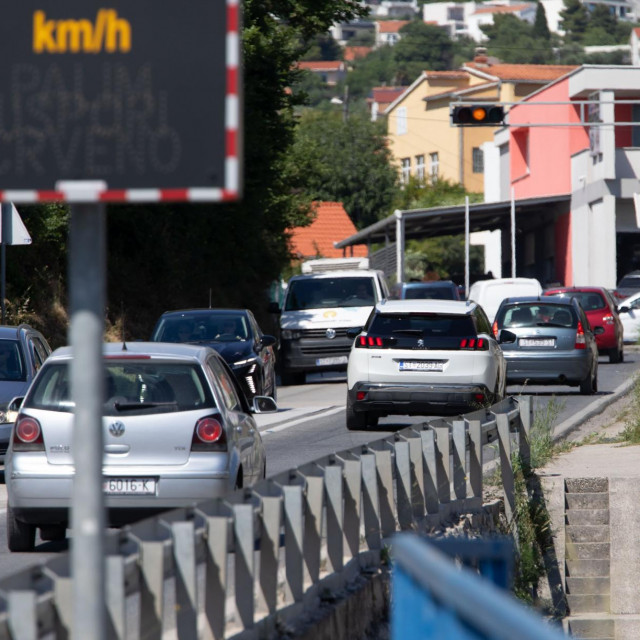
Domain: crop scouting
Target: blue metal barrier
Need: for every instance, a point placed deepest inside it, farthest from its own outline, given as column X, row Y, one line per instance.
column 433, row 598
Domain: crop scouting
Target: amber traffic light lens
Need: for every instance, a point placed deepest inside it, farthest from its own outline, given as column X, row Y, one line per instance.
column 478, row 114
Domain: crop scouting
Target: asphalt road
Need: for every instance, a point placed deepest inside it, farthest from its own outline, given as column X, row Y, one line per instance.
column 310, row 424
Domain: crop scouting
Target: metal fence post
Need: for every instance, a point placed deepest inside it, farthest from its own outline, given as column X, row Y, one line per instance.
column 244, row 575
column 352, row 470
column 475, row 458
column 385, row 489
column 23, row 617
column 506, row 468
column 116, row 597
column 184, row 554
column 443, row 462
column 217, row 519
column 459, row 437
column 417, row 472
column 525, row 404
column 403, row 484
column 370, row 501
column 293, row 530
column 335, row 518
column 430, row 455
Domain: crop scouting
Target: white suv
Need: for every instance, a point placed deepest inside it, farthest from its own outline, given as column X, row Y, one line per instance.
column 423, row 357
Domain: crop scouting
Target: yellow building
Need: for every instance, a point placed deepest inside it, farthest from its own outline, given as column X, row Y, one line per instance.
column 423, row 142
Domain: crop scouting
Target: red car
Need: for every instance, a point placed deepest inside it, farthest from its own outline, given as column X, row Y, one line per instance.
column 601, row 310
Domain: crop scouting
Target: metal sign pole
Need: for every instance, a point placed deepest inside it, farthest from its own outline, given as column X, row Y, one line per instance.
column 87, row 258
column 466, row 246
column 4, row 217
column 513, row 234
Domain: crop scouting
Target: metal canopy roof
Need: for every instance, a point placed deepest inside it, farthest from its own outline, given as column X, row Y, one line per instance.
column 449, row 220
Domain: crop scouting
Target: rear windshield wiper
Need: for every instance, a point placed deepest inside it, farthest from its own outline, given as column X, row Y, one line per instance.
column 132, row 406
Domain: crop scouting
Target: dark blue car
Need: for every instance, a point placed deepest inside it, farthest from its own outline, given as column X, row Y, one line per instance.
column 235, row 335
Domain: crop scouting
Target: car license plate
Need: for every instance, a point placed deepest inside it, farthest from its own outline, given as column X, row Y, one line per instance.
column 321, row 362
column 421, row 365
column 537, row 342
column 129, row 486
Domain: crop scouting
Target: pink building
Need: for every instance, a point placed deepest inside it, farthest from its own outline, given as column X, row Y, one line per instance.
column 575, row 137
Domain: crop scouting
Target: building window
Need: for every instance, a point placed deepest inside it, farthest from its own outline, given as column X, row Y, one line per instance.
column 477, row 157
column 420, row 169
column 434, row 166
column 401, row 120
column 455, row 14
column 406, row 170
column 635, row 131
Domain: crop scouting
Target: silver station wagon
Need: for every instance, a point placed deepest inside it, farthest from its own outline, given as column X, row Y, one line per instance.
column 177, row 429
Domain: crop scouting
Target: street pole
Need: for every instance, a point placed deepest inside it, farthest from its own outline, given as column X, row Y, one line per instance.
column 513, row 233
column 87, row 259
column 466, row 246
column 4, row 217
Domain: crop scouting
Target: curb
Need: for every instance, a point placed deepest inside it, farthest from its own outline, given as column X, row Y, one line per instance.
column 596, row 408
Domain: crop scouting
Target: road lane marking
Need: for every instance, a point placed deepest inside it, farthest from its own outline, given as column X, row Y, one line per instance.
column 305, row 418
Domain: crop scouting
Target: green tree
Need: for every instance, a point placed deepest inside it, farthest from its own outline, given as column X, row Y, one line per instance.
column 345, row 161
column 422, row 46
column 513, row 40
column 323, row 47
column 574, row 19
column 376, row 69
column 540, row 25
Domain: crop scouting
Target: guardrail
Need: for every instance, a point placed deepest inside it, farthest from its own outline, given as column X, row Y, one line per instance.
column 265, row 556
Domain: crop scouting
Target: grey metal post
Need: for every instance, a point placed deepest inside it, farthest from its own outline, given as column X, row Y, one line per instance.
column 459, row 433
column 6, row 213
column 87, row 257
column 526, row 422
column 399, row 245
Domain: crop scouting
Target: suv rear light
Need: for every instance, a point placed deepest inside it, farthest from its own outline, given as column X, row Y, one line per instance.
column 581, row 341
column 474, row 344
column 369, row 342
column 495, row 329
column 27, row 435
column 209, row 435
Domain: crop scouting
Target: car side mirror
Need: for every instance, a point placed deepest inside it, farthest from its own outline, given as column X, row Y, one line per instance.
column 353, row 332
column 267, row 341
column 264, row 404
column 624, row 309
column 506, row 337
column 273, row 307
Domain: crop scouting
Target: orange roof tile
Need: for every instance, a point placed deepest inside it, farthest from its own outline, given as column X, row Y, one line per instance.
column 322, row 65
column 391, row 26
column 522, row 72
column 352, row 53
column 386, row 94
column 331, row 224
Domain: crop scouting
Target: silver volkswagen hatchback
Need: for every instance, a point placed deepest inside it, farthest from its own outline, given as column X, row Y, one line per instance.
column 177, row 429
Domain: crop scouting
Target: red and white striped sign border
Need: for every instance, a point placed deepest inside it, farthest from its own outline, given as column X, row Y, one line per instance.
column 188, row 194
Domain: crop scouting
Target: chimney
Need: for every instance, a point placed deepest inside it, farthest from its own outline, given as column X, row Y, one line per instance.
column 481, row 59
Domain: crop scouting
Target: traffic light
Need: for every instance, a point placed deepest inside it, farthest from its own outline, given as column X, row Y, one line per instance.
column 488, row 115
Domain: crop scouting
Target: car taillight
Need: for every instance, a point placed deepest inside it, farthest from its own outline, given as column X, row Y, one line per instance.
column 27, row 435
column 581, row 340
column 608, row 319
column 209, row 435
column 369, row 342
column 495, row 329
column 474, row 344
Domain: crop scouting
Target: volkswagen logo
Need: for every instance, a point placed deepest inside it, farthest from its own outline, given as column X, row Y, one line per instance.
column 116, row 428
column 331, row 334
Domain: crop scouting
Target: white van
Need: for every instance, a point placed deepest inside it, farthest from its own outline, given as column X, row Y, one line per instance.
column 319, row 306
column 490, row 293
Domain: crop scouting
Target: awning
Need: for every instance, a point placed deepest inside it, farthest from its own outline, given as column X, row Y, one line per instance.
column 449, row 220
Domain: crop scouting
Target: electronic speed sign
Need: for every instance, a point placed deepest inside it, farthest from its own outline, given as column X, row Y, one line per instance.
column 140, row 95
